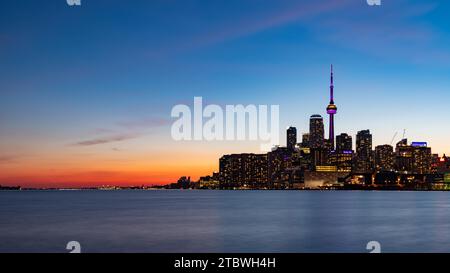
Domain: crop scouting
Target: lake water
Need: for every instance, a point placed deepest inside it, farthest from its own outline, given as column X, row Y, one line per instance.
column 224, row 221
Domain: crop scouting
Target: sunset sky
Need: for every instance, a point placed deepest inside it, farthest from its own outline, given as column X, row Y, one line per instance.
column 86, row 92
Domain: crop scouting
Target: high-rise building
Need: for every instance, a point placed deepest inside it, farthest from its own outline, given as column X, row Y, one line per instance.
column 279, row 160
column 243, row 170
column 316, row 131
column 305, row 158
column 384, row 158
column 404, row 161
column 331, row 111
column 343, row 155
column 305, row 141
column 291, row 138
column 422, row 159
column 342, row 160
column 364, row 153
column 415, row 158
column 319, row 157
column 344, row 143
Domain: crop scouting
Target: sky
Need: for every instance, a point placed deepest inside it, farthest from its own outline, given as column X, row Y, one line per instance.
column 86, row 91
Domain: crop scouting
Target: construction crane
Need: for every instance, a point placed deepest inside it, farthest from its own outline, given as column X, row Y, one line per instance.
column 393, row 138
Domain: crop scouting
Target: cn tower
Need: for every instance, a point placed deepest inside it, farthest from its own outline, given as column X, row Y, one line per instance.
column 331, row 110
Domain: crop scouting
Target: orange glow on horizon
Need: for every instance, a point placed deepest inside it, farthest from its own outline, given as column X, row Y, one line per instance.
column 136, row 163
column 100, row 178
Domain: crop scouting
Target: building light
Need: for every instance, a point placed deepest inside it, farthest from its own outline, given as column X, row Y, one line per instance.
column 419, row 144
column 326, row 169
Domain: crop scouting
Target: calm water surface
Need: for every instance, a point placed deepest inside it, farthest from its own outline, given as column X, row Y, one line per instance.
column 224, row 221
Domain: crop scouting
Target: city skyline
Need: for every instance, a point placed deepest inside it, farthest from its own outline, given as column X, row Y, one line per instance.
column 86, row 91
column 336, row 151
column 317, row 163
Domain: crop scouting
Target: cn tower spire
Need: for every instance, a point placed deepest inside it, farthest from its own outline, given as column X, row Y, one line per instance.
column 331, row 111
column 331, row 87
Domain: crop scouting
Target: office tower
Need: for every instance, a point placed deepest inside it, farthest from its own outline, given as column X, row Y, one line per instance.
column 384, row 158
column 305, row 141
column 343, row 143
column 316, row 132
column 319, row 157
column 404, row 161
column 413, row 159
column 305, row 158
column 422, row 158
column 279, row 159
column 342, row 160
column 331, row 111
column 319, row 149
column 305, row 153
column 291, row 138
column 364, row 154
column 343, row 155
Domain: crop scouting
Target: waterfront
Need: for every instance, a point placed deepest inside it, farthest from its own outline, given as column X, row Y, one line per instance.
column 224, row 221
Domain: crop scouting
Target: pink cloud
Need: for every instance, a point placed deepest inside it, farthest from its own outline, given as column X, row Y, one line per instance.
column 104, row 140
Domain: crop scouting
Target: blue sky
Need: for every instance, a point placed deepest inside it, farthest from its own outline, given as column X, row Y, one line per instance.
column 108, row 68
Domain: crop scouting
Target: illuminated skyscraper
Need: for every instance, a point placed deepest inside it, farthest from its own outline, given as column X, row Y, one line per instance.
column 291, row 138
column 279, row 160
column 384, row 158
column 404, row 161
column 342, row 157
column 243, row 170
column 415, row 158
column 422, row 158
column 364, row 154
column 305, row 141
column 343, row 143
column 316, row 132
column 331, row 111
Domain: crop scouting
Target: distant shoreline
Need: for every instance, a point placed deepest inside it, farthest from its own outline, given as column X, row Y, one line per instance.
column 181, row 190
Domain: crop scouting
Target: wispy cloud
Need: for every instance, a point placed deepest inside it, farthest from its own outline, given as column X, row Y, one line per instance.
column 8, row 159
column 125, row 130
column 107, row 139
column 146, row 123
column 103, row 131
column 249, row 25
column 394, row 30
column 302, row 10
